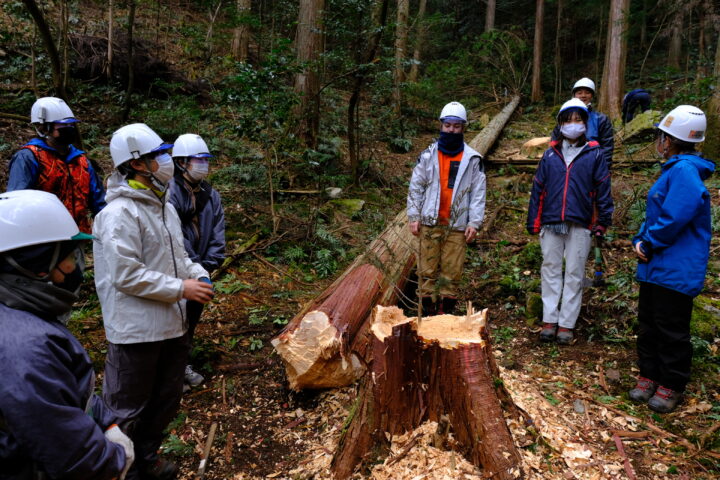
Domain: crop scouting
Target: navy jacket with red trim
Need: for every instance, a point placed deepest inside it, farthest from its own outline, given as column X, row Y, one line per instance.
column 578, row 193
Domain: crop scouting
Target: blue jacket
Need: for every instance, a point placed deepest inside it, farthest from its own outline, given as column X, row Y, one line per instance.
column 203, row 222
column 676, row 232
column 46, row 388
column 24, row 172
column 600, row 129
column 578, row 193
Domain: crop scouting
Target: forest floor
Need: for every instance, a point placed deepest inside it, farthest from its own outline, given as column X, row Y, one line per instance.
column 585, row 426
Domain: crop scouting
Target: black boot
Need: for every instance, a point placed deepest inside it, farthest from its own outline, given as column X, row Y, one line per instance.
column 446, row 306
column 428, row 307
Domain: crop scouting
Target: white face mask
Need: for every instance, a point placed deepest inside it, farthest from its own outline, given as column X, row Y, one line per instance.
column 198, row 169
column 571, row 131
column 165, row 170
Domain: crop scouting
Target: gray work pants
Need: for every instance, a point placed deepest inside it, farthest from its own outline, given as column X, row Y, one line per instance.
column 143, row 385
column 574, row 248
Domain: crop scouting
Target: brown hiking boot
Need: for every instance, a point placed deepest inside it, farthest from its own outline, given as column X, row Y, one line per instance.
column 644, row 389
column 664, row 400
column 564, row 336
column 548, row 332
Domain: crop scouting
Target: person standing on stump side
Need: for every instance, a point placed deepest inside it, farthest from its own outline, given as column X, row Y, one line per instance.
column 445, row 207
column 570, row 201
column 202, row 217
column 672, row 246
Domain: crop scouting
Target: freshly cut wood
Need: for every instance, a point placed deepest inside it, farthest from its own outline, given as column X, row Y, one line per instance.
column 323, row 346
column 488, row 135
column 422, row 371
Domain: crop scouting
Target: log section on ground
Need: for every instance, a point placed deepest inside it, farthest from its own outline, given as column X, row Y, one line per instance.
column 487, row 137
column 320, row 346
column 443, row 366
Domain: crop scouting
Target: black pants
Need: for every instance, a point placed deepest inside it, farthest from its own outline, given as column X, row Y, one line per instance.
column 663, row 343
column 193, row 311
column 143, row 385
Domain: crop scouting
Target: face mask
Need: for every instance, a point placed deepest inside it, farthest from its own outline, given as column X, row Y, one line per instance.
column 66, row 135
column 198, row 170
column 572, row 131
column 451, row 143
column 165, row 170
column 72, row 280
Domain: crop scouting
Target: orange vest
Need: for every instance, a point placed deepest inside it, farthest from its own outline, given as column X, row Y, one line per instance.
column 448, row 167
column 69, row 181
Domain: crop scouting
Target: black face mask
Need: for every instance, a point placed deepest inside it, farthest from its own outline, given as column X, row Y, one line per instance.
column 72, row 280
column 66, row 135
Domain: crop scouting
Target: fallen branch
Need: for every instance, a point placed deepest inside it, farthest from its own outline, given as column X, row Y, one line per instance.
column 626, row 463
column 281, row 271
column 206, row 452
column 13, row 116
column 234, row 256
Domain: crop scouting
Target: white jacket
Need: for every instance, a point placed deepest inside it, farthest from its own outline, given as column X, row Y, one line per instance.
column 468, row 198
column 140, row 265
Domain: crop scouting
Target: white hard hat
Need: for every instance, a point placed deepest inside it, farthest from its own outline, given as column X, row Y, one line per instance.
column 133, row 141
column 34, row 217
column 573, row 103
column 584, row 83
column 51, row 109
column 686, row 123
column 453, row 111
column 190, row 145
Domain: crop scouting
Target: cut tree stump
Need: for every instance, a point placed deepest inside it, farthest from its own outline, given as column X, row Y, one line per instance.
column 323, row 346
column 422, row 372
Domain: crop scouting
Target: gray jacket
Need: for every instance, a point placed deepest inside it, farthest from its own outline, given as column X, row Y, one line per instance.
column 140, row 265
column 468, row 198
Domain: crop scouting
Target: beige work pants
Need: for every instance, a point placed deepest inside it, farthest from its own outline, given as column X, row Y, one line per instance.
column 440, row 263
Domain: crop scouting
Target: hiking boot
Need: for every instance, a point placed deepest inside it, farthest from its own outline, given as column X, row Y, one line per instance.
column 446, row 305
column 162, row 469
column 548, row 332
column 428, row 307
column 644, row 389
column 664, row 400
column 564, row 336
column 193, row 378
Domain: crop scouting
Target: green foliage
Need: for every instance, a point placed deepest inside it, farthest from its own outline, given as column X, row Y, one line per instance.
column 230, row 284
column 531, row 256
column 174, row 445
column 255, row 344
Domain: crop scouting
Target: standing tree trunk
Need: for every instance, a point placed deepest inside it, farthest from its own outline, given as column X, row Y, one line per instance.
column 130, row 72
column 490, row 15
column 308, row 44
column 675, row 47
column 613, row 79
column 420, row 371
column 643, row 24
column 711, row 146
column 241, row 34
column 64, row 21
column 52, row 51
column 401, row 34
column 379, row 23
column 111, row 23
column 536, row 94
column 419, row 39
column 558, row 57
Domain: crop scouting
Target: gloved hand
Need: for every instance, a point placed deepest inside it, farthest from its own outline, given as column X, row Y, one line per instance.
column 598, row 231
column 115, row 435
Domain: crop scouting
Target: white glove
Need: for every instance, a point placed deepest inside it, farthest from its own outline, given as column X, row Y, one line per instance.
column 115, row 435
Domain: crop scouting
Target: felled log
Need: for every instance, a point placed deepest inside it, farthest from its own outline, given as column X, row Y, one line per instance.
column 320, row 346
column 487, row 137
column 421, row 371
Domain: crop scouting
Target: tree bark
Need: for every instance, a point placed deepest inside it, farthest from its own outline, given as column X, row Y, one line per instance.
column 711, row 146
column 558, row 57
column 487, row 137
column 241, row 34
column 52, row 51
column 490, row 15
column 401, row 33
column 613, row 79
column 675, row 46
column 131, row 73
column 111, row 23
column 536, row 94
column 419, row 39
column 421, row 371
column 323, row 346
column 65, row 14
column 308, row 44
column 379, row 23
